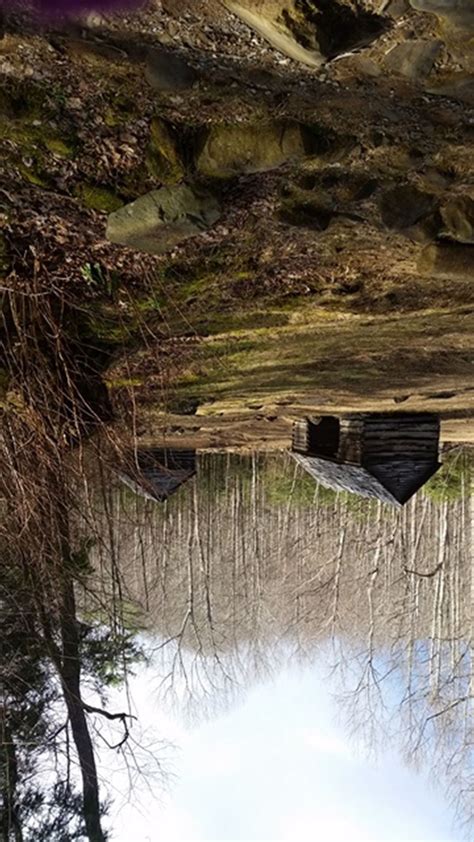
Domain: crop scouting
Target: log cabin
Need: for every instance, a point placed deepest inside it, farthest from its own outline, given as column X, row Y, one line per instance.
column 384, row 455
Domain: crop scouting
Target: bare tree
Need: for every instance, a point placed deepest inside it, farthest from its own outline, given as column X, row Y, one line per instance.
column 46, row 533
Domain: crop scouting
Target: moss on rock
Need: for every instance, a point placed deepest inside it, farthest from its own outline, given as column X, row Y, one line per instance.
column 98, row 198
column 33, row 138
column 162, row 159
column 33, row 128
column 60, row 147
column 34, row 174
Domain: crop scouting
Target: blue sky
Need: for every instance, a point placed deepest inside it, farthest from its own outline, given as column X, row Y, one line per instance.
column 277, row 766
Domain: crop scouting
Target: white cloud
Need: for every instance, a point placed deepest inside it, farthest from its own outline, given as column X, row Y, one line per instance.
column 264, row 771
column 218, row 760
column 330, row 825
column 326, row 743
column 174, row 825
column 170, row 824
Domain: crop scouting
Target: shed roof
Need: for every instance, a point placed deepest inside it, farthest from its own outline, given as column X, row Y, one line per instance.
column 391, row 482
column 157, row 473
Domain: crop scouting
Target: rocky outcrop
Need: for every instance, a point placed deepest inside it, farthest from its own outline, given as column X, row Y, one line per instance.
column 309, row 31
column 231, row 150
column 403, row 206
column 160, row 220
column 458, row 86
column 447, row 261
column 269, row 23
column 411, row 212
column 168, row 73
column 456, row 27
column 413, row 59
column 458, row 218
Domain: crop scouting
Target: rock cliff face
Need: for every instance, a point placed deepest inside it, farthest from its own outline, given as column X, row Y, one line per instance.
column 311, row 31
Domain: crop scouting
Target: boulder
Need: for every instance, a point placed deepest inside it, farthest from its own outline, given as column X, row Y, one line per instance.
column 395, row 8
column 167, row 72
column 447, row 261
column 160, row 220
column 459, row 86
column 247, row 148
column 458, row 218
column 362, row 65
column 94, row 51
column 413, row 59
column 426, row 229
column 404, row 206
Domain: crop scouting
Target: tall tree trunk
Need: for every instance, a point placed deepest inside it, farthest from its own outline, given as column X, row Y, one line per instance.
column 70, row 672
column 85, row 753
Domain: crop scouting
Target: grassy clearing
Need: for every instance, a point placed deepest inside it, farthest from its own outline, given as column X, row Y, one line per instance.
column 258, row 340
column 332, row 351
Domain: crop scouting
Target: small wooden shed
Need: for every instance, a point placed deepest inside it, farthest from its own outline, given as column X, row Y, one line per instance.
column 384, row 455
column 157, row 473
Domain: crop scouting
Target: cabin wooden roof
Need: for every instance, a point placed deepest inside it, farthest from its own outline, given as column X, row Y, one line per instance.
column 392, row 482
column 157, row 473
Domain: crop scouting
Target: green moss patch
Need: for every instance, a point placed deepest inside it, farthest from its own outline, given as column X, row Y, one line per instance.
column 98, row 198
column 34, row 175
column 162, row 159
column 34, row 127
column 59, row 147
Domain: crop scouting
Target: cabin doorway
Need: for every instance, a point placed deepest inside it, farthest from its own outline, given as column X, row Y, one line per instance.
column 323, row 436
